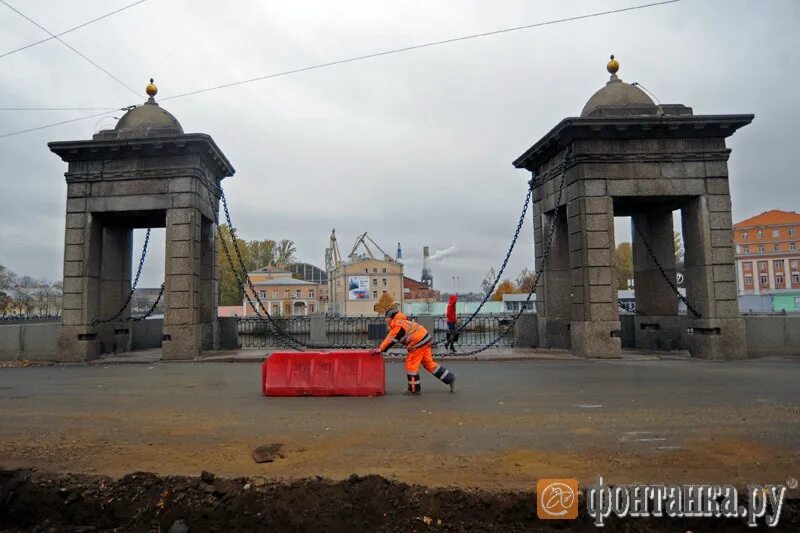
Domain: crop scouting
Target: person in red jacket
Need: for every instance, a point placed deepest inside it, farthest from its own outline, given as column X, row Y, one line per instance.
column 452, row 320
column 417, row 341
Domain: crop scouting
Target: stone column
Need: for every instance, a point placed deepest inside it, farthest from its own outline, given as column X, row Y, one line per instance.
column 115, row 286
column 659, row 328
column 711, row 278
column 77, row 338
column 182, row 329
column 208, row 286
column 553, row 294
column 594, row 325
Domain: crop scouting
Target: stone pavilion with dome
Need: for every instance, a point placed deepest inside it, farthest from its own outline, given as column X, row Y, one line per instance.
column 629, row 156
column 144, row 173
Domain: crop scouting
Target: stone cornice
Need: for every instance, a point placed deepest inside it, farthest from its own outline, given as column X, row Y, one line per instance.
column 198, row 143
column 581, row 158
column 573, row 129
column 97, row 171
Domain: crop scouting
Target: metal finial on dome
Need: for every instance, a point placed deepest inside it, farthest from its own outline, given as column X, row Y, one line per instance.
column 613, row 65
column 151, row 89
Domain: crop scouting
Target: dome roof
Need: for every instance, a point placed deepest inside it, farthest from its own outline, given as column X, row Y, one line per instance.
column 615, row 97
column 148, row 119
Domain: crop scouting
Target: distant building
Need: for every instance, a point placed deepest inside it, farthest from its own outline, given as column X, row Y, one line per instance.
column 314, row 274
column 356, row 284
column 143, row 299
column 513, row 302
column 767, row 255
column 417, row 291
column 282, row 294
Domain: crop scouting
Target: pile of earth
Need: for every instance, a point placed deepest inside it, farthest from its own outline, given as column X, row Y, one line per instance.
column 34, row 501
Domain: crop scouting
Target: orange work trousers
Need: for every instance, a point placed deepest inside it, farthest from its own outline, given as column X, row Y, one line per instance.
column 422, row 355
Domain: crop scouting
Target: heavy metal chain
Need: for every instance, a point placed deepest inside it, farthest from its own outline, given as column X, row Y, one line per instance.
column 664, row 273
column 545, row 254
column 133, row 286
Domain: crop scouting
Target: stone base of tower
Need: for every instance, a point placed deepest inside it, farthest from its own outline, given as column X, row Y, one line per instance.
column 597, row 339
column 553, row 333
column 716, row 338
column 181, row 342
column 78, row 344
column 660, row 332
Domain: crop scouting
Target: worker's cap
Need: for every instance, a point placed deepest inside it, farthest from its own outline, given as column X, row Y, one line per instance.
column 391, row 312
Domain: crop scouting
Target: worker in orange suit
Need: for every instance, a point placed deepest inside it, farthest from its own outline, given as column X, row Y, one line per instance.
column 417, row 341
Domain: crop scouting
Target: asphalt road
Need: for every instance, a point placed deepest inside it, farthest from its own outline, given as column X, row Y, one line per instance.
column 508, row 424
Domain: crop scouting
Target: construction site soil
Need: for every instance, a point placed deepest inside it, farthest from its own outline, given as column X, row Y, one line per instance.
column 34, row 501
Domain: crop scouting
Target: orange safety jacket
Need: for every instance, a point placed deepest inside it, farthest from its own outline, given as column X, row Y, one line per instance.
column 408, row 333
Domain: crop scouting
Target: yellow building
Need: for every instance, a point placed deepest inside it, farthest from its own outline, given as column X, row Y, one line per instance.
column 355, row 286
column 281, row 294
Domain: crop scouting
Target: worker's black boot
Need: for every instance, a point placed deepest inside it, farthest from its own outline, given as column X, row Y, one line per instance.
column 414, row 386
column 446, row 377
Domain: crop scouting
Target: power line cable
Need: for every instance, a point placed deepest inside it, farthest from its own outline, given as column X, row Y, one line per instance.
column 387, row 52
column 18, row 12
column 37, row 128
column 58, row 108
column 417, row 47
column 79, row 26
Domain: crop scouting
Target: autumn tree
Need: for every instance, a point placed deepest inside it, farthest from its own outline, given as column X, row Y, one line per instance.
column 677, row 246
column 284, row 255
column 624, row 264
column 7, row 278
column 506, row 287
column 525, row 281
column 229, row 291
column 261, row 253
column 254, row 255
column 385, row 302
column 5, row 303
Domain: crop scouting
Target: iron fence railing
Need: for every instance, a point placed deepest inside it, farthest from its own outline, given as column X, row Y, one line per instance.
column 364, row 332
column 482, row 330
column 361, row 331
column 258, row 333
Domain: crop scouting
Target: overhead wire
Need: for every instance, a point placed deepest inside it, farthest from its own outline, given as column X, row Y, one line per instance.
column 368, row 56
column 59, row 108
column 26, row 17
column 416, row 47
column 79, row 26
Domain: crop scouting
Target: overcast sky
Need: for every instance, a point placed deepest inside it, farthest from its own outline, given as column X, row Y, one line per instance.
column 413, row 147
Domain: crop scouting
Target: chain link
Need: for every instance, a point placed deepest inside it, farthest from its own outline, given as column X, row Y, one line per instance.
column 133, row 286
column 664, row 273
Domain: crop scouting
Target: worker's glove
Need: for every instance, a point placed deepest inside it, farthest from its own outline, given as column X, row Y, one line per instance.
column 375, row 352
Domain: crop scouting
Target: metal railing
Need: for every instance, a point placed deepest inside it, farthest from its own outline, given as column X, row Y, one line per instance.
column 365, row 332
column 258, row 333
column 479, row 332
column 355, row 330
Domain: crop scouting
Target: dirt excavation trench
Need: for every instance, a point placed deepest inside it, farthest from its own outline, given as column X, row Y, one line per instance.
column 32, row 501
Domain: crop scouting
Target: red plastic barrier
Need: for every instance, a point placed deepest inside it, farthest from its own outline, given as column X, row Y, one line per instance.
column 343, row 373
